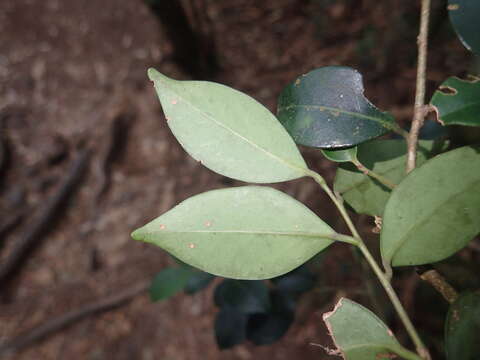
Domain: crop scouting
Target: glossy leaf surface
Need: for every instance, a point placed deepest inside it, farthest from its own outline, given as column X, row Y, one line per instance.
column 464, row 15
column 326, row 108
column 359, row 334
column 246, row 232
column 228, row 131
column 457, row 102
column 341, row 155
column 463, row 327
column 434, row 212
column 169, row 282
column 385, row 157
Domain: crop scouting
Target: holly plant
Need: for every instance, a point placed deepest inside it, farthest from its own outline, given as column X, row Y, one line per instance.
column 426, row 193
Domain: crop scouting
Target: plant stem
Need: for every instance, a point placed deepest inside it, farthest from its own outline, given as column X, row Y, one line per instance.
column 383, row 180
column 420, row 347
column 419, row 109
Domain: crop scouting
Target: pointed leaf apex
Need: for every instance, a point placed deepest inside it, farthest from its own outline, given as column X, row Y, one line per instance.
column 137, row 234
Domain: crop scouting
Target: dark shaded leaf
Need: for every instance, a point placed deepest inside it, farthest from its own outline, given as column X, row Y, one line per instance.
column 462, row 328
column 464, row 15
column 457, row 102
column 326, row 108
column 230, row 328
column 198, row 281
column 243, row 295
column 169, row 282
column 297, row 281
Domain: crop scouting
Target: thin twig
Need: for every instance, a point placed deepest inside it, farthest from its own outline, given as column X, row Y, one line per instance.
column 419, row 109
column 47, row 215
column 383, row 180
column 73, row 316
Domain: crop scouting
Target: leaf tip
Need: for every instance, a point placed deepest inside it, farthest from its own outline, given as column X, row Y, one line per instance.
column 152, row 73
column 137, row 234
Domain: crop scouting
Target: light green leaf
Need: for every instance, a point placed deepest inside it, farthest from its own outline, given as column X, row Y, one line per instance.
column 464, row 15
column 462, row 328
column 341, row 155
column 228, row 131
column 457, row 102
column 435, row 211
column 169, row 282
column 326, row 108
column 246, row 232
column 386, row 158
column 359, row 334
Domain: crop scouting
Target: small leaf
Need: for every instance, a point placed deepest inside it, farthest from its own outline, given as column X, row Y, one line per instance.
column 434, row 212
column 228, row 131
column 326, row 108
column 385, row 157
column 230, row 328
column 169, row 282
column 248, row 232
column 457, row 102
column 464, row 16
column 359, row 334
column 198, row 281
column 341, row 155
column 462, row 328
column 245, row 296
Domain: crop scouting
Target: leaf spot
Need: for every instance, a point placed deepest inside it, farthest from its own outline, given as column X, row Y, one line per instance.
column 297, row 82
column 174, row 102
column 162, row 227
column 453, row 7
column 208, row 223
column 191, row 246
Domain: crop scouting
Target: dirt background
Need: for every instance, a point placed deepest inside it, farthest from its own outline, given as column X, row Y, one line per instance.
column 73, row 77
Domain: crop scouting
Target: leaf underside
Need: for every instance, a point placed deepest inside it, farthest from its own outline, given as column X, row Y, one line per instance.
column 228, row 131
column 246, row 232
column 434, row 212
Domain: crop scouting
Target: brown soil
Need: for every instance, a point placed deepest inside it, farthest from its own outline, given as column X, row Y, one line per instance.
column 71, row 72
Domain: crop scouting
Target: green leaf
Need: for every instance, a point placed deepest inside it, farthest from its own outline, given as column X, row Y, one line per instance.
column 359, row 334
column 385, row 157
column 462, row 328
column 464, row 16
column 228, row 131
column 434, row 212
column 457, row 102
column 341, row 155
column 248, row 232
column 169, row 282
column 326, row 108
column 198, row 281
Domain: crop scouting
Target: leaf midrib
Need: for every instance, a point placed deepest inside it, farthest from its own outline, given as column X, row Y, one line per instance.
column 386, row 124
column 245, row 232
column 235, row 133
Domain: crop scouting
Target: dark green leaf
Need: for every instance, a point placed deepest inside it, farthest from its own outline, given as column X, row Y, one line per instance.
column 168, row 282
column 228, row 131
column 457, row 102
column 326, row 108
column 198, row 281
column 246, row 232
column 464, row 15
column 359, row 334
column 435, row 210
column 230, row 328
column 462, row 328
column 248, row 297
column 385, row 157
column 341, row 155
column 296, row 281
